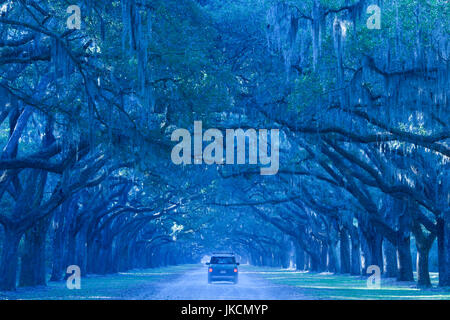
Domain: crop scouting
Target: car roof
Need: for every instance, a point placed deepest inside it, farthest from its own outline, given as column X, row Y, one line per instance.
column 222, row 255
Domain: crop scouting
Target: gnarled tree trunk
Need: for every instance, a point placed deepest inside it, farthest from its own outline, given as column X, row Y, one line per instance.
column 443, row 235
column 9, row 259
column 405, row 270
column 32, row 271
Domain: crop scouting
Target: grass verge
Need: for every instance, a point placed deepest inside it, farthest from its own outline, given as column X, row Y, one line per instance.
column 123, row 285
column 345, row 287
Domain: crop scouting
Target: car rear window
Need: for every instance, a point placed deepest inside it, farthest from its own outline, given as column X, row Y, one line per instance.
column 223, row 260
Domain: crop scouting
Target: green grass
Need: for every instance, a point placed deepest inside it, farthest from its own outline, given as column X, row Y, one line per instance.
column 123, row 285
column 330, row 286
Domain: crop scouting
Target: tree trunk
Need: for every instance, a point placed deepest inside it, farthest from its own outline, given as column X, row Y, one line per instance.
column 423, row 274
column 405, row 272
column 376, row 248
column 390, row 255
column 314, row 263
column 58, row 248
column 323, row 257
column 32, row 271
column 356, row 253
column 9, row 259
column 344, row 251
column 299, row 258
column 332, row 257
column 443, row 235
column 70, row 256
column 424, row 241
column 365, row 253
column 81, row 251
column 285, row 256
column 372, row 250
column 405, row 269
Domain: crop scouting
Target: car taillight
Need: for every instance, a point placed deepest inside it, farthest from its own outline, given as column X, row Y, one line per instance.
column 235, row 269
column 210, row 270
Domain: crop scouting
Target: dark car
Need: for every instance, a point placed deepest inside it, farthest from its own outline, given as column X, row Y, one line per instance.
column 223, row 267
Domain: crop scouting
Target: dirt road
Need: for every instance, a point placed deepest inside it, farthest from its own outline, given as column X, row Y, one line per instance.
column 193, row 285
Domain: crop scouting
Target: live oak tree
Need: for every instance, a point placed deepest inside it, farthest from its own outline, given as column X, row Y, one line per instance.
column 86, row 117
